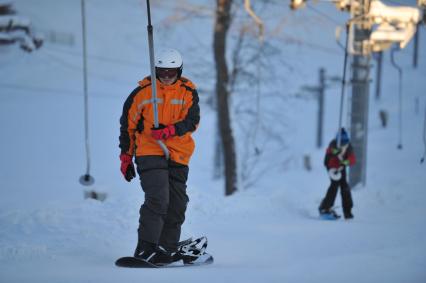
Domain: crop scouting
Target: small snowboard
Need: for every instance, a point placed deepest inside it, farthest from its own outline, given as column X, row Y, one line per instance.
column 133, row 262
column 332, row 215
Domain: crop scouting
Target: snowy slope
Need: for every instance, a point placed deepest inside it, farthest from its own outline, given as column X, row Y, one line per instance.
column 266, row 233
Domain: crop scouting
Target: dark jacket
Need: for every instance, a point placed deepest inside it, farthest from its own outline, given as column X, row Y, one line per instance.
column 335, row 158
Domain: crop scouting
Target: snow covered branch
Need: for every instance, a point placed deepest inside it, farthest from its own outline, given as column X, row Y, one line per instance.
column 16, row 29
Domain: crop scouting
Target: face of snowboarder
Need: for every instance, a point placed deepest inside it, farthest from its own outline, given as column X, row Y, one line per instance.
column 167, row 76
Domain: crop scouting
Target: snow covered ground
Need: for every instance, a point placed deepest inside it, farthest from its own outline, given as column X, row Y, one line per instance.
column 266, row 233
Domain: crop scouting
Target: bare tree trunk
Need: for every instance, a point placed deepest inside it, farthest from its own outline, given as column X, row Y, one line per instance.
column 222, row 23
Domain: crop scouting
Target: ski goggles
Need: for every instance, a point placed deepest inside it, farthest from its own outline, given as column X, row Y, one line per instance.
column 166, row 72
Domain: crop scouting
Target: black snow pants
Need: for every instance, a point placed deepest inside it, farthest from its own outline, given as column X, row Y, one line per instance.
column 345, row 192
column 163, row 211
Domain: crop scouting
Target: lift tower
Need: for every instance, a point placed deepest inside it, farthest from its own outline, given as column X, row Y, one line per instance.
column 360, row 82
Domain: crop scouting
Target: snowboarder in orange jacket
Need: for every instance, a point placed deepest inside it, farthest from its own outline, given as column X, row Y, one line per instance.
column 163, row 181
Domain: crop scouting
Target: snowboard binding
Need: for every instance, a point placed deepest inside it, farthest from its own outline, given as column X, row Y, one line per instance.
column 192, row 251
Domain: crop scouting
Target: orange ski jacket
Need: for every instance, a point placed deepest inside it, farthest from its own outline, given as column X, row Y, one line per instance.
column 177, row 105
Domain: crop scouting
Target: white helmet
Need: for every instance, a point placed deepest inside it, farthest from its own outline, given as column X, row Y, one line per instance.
column 168, row 58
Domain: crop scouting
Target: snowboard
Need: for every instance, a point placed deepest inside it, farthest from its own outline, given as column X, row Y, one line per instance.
column 329, row 217
column 188, row 248
column 133, row 262
column 332, row 215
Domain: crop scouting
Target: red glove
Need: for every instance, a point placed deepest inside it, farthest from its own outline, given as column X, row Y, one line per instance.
column 127, row 167
column 163, row 132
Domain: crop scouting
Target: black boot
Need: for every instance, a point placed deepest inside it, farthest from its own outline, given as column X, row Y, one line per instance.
column 145, row 250
column 152, row 253
column 348, row 215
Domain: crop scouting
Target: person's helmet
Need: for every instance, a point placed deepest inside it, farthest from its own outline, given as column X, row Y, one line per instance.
column 169, row 59
column 344, row 137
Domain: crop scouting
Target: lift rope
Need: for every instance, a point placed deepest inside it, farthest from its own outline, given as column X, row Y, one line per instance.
column 86, row 179
column 342, row 94
column 399, row 97
column 257, row 149
column 424, row 139
column 260, row 24
column 150, row 30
